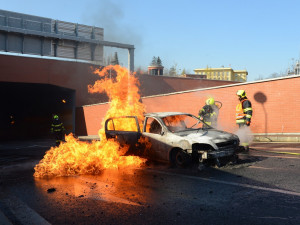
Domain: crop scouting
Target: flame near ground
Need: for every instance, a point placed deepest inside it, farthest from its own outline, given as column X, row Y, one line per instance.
column 74, row 157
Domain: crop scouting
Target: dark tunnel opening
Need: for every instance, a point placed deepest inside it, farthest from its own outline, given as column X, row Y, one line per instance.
column 27, row 110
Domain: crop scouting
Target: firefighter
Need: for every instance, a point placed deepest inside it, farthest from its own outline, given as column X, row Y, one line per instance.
column 209, row 113
column 243, row 115
column 57, row 128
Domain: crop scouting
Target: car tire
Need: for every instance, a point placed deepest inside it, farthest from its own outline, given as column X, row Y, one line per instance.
column 180, row 158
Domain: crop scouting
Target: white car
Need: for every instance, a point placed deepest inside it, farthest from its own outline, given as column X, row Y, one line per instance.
column 175, row 137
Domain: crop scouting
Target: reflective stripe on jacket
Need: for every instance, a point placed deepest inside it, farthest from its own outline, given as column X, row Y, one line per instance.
column 209, row 113
column 243, row 111
column 57, row 127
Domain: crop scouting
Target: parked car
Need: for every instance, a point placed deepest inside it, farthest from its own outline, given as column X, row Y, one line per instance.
column 175, row 137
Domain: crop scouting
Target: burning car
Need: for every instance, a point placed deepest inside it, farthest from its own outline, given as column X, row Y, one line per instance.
column 175, row 137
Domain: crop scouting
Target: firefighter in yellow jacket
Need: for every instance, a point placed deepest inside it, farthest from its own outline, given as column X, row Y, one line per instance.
column 210, row 112
column 57, row 128
column 243, row 114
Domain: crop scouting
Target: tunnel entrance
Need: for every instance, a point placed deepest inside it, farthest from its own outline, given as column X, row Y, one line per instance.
column 27, row 109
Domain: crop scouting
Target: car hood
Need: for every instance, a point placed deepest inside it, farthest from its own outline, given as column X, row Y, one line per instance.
column 204, row 135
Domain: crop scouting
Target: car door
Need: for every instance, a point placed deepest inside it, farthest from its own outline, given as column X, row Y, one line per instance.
column 125, row 130
column 156, row 134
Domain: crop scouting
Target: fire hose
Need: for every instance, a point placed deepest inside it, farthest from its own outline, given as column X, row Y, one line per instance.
column 218, row 104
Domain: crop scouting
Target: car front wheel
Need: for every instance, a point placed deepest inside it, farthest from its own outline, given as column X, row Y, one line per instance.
column 180, row 158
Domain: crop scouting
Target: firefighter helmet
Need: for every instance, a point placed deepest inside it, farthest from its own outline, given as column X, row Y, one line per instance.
column 241, row 93
column 210, row 101
column 55, row 117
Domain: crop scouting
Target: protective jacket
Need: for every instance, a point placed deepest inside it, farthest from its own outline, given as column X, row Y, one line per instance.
column 57, row 126
column 209, row 113
column 244, row 112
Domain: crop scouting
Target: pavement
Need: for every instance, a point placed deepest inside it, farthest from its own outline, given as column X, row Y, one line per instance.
column 286, row 148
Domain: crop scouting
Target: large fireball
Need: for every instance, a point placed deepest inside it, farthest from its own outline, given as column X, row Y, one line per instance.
column 75, row 157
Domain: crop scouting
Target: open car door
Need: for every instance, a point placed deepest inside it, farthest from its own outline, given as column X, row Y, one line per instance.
column 125, row 130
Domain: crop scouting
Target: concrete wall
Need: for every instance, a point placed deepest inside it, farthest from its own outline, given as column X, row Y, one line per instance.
column 275, row 102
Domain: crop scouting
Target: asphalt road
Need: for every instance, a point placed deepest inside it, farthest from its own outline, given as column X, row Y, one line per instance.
column 263, row 188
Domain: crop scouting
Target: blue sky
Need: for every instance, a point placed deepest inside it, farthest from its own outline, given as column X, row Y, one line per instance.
column 261, row 36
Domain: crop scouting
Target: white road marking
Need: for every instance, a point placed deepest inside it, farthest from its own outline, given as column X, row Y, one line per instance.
column 258, row 167
column 229, row 183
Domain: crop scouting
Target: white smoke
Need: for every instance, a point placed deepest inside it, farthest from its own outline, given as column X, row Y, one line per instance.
column 245, row 134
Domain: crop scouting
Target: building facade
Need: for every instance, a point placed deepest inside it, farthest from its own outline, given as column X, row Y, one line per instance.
column 46, row 66
column 223, row 74
column 33, row 35
column 198, row 76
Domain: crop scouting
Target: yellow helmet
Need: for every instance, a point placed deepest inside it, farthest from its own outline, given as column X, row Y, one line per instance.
column 210, row 101
column 55, row 117
column 241, row 93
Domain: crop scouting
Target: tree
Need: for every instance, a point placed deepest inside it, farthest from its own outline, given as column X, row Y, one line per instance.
column 173, row 70
column 260, row 77
column 183, row 71
column 166, row 71
column 140, row 71
column 274, row 75
column 115, row 60
column 158, row 62
column 106, row 60
column 154, row 61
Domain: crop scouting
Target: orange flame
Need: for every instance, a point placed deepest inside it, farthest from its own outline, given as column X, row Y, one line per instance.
column 123, row 92
column 175, row 123
column 75, row 157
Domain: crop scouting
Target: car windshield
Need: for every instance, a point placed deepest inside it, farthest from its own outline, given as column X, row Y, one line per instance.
column 177, row 123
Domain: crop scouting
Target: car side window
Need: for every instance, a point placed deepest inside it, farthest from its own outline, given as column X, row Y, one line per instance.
column 153, row 126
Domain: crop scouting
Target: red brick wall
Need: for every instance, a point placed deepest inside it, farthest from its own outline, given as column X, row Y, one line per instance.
column 156, row 85
column 93, row 116
column 275, row 103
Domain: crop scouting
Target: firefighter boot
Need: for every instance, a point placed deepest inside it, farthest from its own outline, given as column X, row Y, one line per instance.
column 245, row 147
